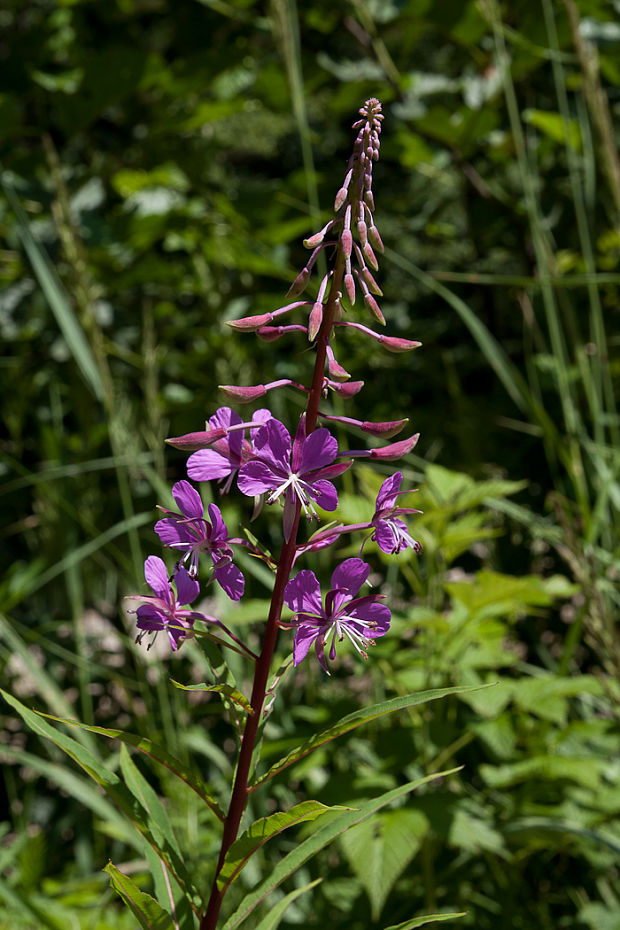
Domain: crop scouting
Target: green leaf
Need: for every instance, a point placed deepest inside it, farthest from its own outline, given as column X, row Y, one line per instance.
column 262, row 830
column 356, row 719
column 191, row 778
column 323, row 837
column 149, row 914
column 555, row 127
column 57, row 298
column 379, row 850
column 233, row 694
column 427, row 919
column 275, row 915
column 144, row 794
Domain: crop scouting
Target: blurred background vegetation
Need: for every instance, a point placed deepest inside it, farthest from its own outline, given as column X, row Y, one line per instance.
column 161, row 163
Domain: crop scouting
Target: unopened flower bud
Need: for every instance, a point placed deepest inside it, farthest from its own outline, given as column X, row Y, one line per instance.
column 315, row 320
column 299, row 283
column 317, row 238
column 250, row 324
column 345, row 389
column 335, row 369
column 371, row 304
column 191, row 442
column 375, row 238
column 361, row 232
column 395, row 450
column 346, row 241
column 396, row 344
column 373, row 287
column 384, row 430
column 369, row 199
column 369, row 255
column 243, row 395
column 341, row 196
column 349, row 286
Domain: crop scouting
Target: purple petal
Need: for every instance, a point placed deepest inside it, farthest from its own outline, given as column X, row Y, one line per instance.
column 304, row 637
column 350, row 575
column 208, row 465
column 273, row 444
column 224, row 417
column 373, row 612
column 177, row 535
column 388, row 492
column 324, row 493
column 230, row 579
column 188, row 500
column 257, row 477
column 303, row 594
column 156, row 575
column 319, row 450
column 219, row 531
column 187, row 587
column 150, row 618
column 290, row 511
column 298, row 444
column 332, row 471
column 385, row 537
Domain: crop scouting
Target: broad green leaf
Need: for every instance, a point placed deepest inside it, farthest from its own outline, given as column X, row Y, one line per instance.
column 57, row 298
column 233, row 694
column 149, row 914
column 555, row 127
column 586, row 771
column 191, row 778
column 427, row 919
column 356, row 719
column 380, row 849
column 262, row 830
column 323, row 837
column 275, row 915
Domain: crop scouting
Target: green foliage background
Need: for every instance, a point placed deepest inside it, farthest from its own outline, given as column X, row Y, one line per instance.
column 161, row 164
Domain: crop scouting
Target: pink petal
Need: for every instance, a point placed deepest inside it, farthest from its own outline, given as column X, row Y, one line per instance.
column 188, row 588
column 208, row 465
column 257, row 477
column 303, row 594
column 304, row 637
column 319, row 449
column 324, row 493
column 230, row 579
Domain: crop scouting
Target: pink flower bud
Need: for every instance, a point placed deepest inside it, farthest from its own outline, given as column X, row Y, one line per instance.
column 371, row 304
column 345, row 389
column 384, row 430
column 269, row 333
column 369, row 199
column 299, row 283
column 250, row 324
column 317, row 238
column 191, row 442
column 395, row 450
column 373, row 287
column 243, row 395
column 362, row 231
column 346, row 241
column 375, row 238
column 341, row 196
column 349, row 286
column 315, row 320
column 335, row 369
column 396, row 344
column 369, row 255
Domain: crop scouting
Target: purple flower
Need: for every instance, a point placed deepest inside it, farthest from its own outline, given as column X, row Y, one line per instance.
column 192, row 534
column 225, row 457
column 299, row 474
column 391, row 534
column 164, row 611
column 360, row 619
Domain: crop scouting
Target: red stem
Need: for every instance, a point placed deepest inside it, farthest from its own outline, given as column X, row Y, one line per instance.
column 240, row 791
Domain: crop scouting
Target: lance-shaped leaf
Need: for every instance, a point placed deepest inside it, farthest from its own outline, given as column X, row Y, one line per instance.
column 262, row 830
column 275, row 915
column 233, row 694
column 427, row 919
column 149, row 914
column 111, row 784
column 191, row 778
column 356, row 719
column 323, row 837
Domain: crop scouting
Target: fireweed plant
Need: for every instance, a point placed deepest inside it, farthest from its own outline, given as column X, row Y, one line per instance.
column 293, row 471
